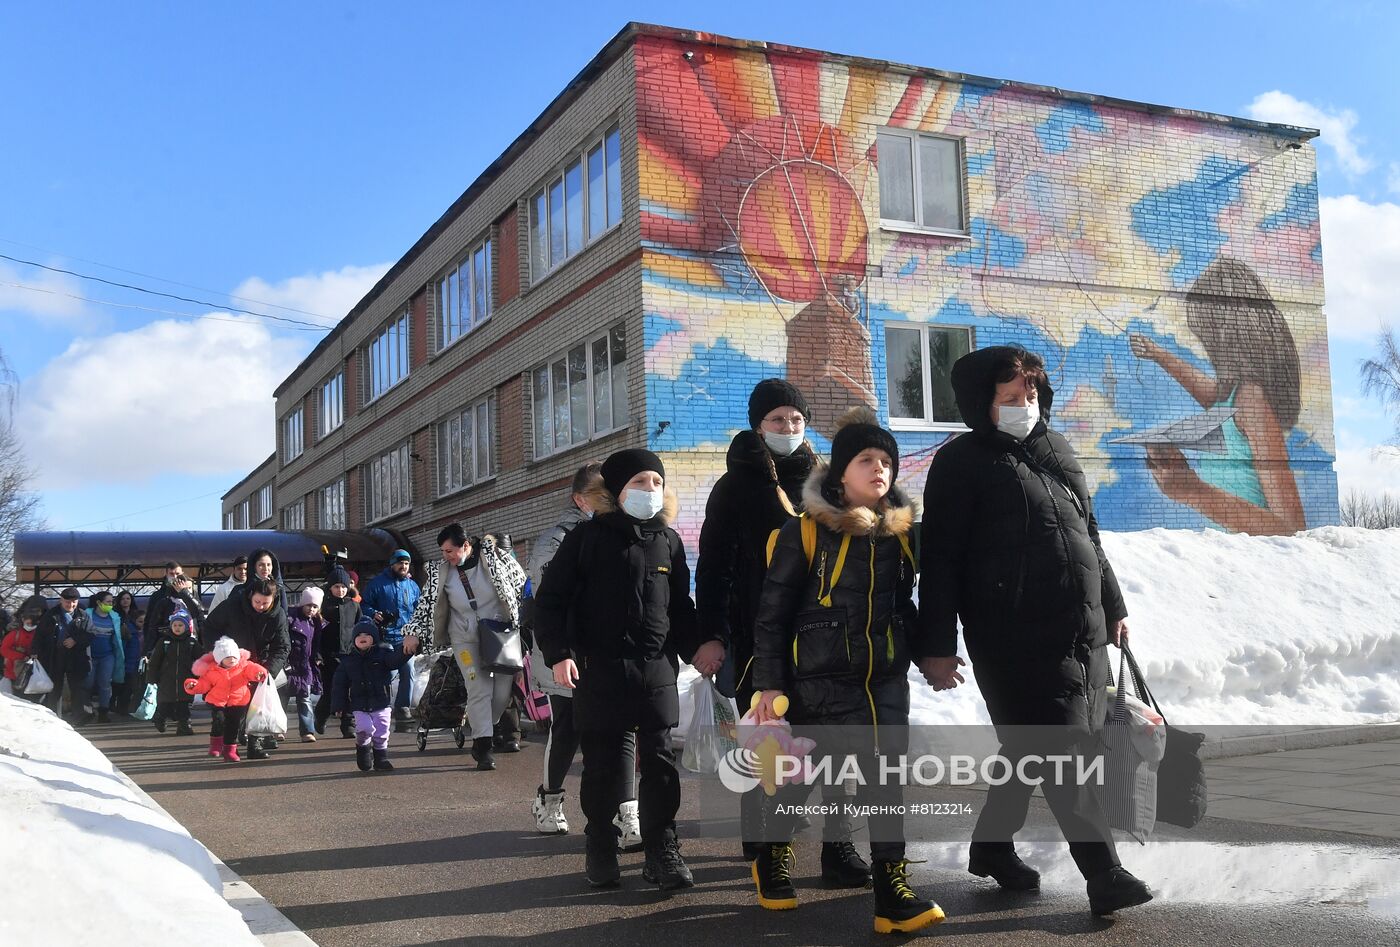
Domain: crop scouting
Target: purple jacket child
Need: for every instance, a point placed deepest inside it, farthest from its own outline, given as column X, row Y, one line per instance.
column 305, row 627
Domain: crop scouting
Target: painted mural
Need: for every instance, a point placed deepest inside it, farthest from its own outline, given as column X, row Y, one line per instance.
column 1166, row 266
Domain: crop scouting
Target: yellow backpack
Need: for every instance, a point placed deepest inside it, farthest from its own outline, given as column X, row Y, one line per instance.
column 809, row 546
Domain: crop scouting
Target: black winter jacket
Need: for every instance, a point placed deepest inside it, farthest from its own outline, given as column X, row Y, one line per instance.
column 263, row 635
column 48, row 643
column 363, row 678
column 341, row 616
column 846, row 662
column 616, row 599
column 757, row 494
column 1011, row 546
column 172, row 661
column 164, row 603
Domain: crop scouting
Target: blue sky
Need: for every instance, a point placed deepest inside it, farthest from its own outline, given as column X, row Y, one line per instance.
column 288, row 153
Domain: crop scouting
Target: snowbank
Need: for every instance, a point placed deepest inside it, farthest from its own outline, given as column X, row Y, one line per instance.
column 100, row 865
column 1232, row 629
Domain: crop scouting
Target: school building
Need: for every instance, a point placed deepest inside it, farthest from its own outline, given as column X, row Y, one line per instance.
column 694, row 213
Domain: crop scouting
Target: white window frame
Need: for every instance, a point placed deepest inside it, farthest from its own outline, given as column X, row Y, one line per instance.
column 925, row 423
column 330, row 413
column 389, row 484
column 540, row 199
column 917, row 225
column 229, row 520
column 243, row 513
column 456, row 292
column 545, row 372
column 293, row 434
column 331, row 500
column 389, row 351
column 457, row 438
column 294, row 515
column 264, row 497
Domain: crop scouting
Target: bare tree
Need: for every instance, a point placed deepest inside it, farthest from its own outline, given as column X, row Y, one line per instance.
column 19, row 506
column 1370, row 512
column 1380, row 375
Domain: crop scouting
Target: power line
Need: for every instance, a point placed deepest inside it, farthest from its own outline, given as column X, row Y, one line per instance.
column 153, row 509
column 162, row 279
column 156, row 292
column 164, row 312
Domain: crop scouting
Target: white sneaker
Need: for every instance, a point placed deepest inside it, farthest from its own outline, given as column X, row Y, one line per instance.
column 629, row 828
column 548, row 808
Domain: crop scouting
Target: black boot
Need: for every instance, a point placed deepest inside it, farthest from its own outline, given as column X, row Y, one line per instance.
column 842, row 866
column 255, row 749
column 364, row 757
column 159, row 722
column 183, row 729
column 897, row 908
column 772, row 877
column 347, row 726
column 481, row 752
column 381, row 760
column 1116, row 889
column 102, row 715
column 664, row 866
column 1001, row 863
column 600, row 858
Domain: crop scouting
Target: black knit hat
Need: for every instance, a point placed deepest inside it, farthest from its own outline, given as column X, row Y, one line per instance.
column 626, row 464
column 338, row 576
column 856, row 430
column 774, row 393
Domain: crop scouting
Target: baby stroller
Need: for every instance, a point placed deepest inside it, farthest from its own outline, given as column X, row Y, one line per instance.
column 443, row 705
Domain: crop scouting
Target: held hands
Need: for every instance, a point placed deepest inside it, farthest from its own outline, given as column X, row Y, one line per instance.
column 410, row 644
column 942, row 673
column 566, row 673
column 709, row 658
column 68, row 642
column 1118, row 634
column 769, row 705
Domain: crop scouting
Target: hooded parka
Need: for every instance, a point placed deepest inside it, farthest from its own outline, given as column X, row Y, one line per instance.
column 616, row 599
column 1011, row 547
column 757, row 494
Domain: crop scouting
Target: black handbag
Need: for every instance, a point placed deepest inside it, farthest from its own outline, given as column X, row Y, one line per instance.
column 1181, row 776
column 498, row 641
column 23, row 673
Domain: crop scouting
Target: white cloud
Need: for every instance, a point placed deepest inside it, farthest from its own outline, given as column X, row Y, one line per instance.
column 1392, row 177
column 330, row 295
column 48, row 296
column 1368, row 469
column 1361, row 256
column 173, row 396
column 1336, row 126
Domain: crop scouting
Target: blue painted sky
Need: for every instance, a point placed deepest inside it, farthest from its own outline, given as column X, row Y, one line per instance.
column 288, row 152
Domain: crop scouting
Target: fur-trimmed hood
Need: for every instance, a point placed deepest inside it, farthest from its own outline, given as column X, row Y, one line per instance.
column 895, row 516
column 601, row 502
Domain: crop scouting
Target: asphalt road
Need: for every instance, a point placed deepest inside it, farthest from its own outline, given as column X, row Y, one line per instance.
column 437, row 853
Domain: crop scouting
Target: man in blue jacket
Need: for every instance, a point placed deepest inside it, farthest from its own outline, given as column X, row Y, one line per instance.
column 389, row 599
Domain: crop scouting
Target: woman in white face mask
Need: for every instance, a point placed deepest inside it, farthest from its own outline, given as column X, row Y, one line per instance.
column 1010, row 548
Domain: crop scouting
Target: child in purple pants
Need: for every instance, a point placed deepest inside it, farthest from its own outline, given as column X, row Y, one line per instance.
column 362, row 684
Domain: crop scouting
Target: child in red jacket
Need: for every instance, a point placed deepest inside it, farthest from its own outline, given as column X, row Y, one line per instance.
column 17, row 646
column 225, row 685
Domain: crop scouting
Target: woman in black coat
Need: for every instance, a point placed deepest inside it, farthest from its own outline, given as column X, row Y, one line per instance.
column 1011, row 547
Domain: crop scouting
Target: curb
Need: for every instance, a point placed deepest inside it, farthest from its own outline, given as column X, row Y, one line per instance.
column 270, row 926
column 1309, row 739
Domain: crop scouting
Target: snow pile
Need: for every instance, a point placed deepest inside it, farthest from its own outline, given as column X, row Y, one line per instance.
column 1231, row 629
column 99, row 865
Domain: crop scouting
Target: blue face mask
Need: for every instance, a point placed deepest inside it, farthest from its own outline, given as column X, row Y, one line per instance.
column 642, row 504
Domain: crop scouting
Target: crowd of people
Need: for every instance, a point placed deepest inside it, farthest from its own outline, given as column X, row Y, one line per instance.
column 793, row 548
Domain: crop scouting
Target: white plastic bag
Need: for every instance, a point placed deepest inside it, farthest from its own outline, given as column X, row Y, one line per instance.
column 266, row 715
column 420, row 667
column 705, row 741
column 5, row 686
column 39, row 680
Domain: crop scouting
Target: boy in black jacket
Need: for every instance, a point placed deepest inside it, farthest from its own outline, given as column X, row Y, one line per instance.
column 612, row 616
column 362, row 684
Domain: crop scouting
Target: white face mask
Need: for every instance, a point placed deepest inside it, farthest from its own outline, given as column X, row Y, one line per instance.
column 642, row 504
column 1017, row 421
column 30, row 626
column 782, row 444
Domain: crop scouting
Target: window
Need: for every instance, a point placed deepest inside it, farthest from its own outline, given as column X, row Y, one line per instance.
column 293, row 430
column 228, row 521
column 387, row 484
column 921, row 180
column 264, row 503
column 918, row 370
column 583, row 201
column 387, row 357
column 332, row 413
column 464, row 446
column 243, row 521
column 333, row 505
column 464, row 295
column 294, row 516
column 582, row 393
